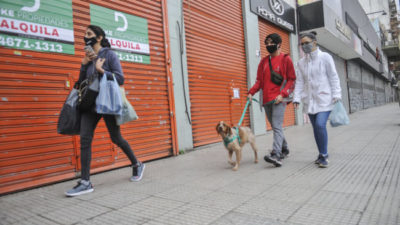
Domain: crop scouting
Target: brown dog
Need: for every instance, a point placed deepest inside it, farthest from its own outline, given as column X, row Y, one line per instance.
column 231, row 141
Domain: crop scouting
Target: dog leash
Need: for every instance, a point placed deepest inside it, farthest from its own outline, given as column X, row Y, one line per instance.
column 227, row 141
column 245, row 109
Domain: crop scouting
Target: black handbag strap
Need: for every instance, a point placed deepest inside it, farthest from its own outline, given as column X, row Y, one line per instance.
column 272, row 70
column 270, row 65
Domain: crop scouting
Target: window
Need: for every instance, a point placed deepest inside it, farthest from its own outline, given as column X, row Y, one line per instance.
column 350, row 22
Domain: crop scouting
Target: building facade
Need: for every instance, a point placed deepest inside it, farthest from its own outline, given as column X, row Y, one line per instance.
column 187, row 65
column 345, row 30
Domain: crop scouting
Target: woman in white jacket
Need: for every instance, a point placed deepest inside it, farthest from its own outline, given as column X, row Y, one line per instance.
column 318, row 87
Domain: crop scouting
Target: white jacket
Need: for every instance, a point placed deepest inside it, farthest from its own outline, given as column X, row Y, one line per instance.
column 317, row 82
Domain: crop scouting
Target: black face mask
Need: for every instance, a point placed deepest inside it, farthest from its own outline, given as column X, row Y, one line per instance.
column 272, row 48
column 90, row 41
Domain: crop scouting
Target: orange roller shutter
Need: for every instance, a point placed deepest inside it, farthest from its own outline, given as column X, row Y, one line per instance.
column 216, row 64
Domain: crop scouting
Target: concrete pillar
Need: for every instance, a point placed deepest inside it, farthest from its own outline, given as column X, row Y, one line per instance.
column 253, row 57
column 180, row 75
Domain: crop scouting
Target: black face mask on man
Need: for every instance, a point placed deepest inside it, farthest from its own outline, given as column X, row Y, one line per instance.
column 90, row 41
column 272, row 48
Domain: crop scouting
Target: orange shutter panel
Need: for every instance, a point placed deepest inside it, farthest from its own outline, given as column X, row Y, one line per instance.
column 216, row 64
column 34, row 86
column 266, row 28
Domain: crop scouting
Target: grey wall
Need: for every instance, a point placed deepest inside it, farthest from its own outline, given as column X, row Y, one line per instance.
column 252, row 45
column 354, row 9
column 180, row 78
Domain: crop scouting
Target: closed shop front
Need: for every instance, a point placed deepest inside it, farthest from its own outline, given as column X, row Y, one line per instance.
column 38, row 72
column 368, row 85
column 266, row 28
column 355, row 86
column 216, row 66
column 380, row 91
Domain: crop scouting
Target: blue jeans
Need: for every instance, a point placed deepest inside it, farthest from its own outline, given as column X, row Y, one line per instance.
column 318, row 122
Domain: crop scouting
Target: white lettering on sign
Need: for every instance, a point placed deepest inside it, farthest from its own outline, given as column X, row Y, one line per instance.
column 26, row 28
column 33, row 8
column 271, row 16
column 117, row 15
column 108, row 32
column 7, row 12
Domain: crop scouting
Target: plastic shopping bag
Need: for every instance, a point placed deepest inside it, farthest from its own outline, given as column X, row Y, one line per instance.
column 109, row 99
column 128, row 112
column 69, row 120
column 339, row 115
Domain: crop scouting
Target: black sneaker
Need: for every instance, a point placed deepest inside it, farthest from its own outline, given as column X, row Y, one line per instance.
column 274, row 159
column 323, row 162
column 137, row 172
column 83, row 187
column 285, row 153
column 318, row 159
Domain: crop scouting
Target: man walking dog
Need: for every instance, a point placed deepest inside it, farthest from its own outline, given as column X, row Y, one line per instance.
column 276, row 77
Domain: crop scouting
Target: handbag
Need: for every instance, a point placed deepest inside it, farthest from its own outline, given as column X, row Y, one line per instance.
column 339, row 115
column 69, row 120
column 128, row 112
column 88, row 91
column 109, row 99
column 276, row 78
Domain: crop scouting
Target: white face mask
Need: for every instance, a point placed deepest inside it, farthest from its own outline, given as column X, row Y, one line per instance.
column 307, row 48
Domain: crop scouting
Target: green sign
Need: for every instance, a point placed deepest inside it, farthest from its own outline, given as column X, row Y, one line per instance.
column 128, row 35
column 38, row 25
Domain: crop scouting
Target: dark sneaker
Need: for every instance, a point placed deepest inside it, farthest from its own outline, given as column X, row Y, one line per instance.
column 323, row 162
column 83, row 187
column 318, row 159
column 285, row 153
column 274, row 159
column 138, row 172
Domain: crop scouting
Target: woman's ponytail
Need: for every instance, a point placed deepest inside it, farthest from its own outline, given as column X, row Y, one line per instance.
column 105, row 43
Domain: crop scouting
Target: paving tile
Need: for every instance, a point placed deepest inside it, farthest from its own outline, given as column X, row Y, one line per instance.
column 115, row 217
column 221, row 200
column 310, row 215
column 235, row 218
column 346, row 201
column 191, row 214
column 269, row 208
column 152, row 207
column 184, row 193
column 118, row 199
column 36, row 220
column 76, row 213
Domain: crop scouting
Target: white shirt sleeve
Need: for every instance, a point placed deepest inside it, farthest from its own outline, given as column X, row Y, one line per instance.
column 299, row 85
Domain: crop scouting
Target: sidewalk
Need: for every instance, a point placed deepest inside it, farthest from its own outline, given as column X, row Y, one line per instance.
column 361, row 186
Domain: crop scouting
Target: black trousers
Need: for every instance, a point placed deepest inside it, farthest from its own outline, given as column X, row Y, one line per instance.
column 89, row 122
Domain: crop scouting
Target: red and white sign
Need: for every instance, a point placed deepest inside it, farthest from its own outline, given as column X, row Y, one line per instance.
column 129, row 46
column 14, row 26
